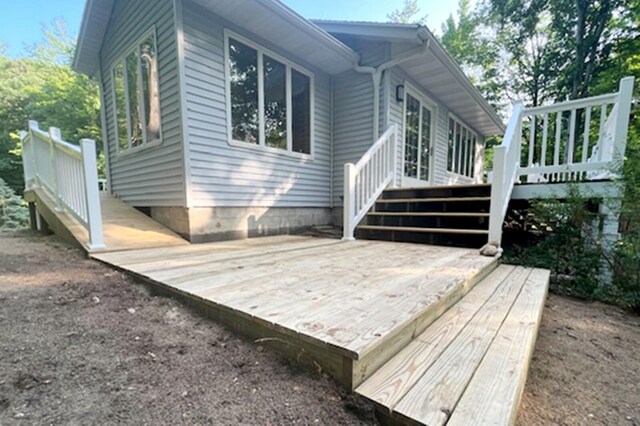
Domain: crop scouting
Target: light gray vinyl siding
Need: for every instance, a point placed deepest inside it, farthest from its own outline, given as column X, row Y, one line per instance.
column 353, row 112
column 440, row 174
column 229, row 175
column 153, row 176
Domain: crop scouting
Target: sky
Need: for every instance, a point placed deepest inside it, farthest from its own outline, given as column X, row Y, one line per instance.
column 21, row 20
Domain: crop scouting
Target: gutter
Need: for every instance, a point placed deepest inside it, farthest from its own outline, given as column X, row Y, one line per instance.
column 376, row 76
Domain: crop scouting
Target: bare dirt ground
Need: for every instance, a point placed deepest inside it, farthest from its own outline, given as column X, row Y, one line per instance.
column 83, row 344
column 585, row 368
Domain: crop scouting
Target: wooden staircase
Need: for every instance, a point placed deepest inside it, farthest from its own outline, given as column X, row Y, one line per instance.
column 470, row 365
column 440, row 215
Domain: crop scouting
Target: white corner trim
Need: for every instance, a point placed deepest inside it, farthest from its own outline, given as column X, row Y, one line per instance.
column 180, row 52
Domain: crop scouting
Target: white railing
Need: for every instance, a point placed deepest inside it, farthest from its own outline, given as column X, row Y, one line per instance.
column 68, row 173
column 579, row 140
column 365, row 180
column 506, row 158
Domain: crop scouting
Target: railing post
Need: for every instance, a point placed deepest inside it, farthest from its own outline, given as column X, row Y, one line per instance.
column 625, row 95
column 33, row 124
column 349, row 208
column 55, row 134
column 92, row 193
column 27, row 168
column 497, row 189
column 395, row 156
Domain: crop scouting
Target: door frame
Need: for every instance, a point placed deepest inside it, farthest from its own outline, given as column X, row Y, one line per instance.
column 432, row 106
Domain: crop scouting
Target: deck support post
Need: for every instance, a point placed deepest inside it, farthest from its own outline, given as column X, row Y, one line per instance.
column 94, row 211
column 33, row 216
column 610, row 216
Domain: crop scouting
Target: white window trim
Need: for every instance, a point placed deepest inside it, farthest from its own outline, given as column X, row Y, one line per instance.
column 261, row 146
column 468, row 128
column 122, row 60
column 432, row 106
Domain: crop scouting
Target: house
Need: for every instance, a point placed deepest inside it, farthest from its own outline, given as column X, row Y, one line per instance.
column 224, row 120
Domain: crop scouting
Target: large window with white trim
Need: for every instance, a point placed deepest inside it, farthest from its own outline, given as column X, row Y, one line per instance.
column 136, row 95
column 269, row 98
column 461, row 148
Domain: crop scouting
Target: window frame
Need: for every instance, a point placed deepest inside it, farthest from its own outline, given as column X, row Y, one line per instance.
column 289, row 65
column 121, row 59
column 470, row 163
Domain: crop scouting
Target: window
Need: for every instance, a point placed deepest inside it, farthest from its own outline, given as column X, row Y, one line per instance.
column 270, row 99
column 461, row 147
column 136, row 96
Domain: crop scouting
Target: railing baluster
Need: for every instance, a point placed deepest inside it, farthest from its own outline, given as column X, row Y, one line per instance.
column 572, row 137
column 585, row 139
column 532, row 137
column 556, row 148
column 545, row 134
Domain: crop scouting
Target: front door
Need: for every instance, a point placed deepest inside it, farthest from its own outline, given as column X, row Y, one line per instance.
column 418, row 140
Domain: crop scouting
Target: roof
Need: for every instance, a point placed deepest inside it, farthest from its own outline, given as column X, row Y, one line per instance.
column 269, row 19
column 435, row 70
column 315, row 43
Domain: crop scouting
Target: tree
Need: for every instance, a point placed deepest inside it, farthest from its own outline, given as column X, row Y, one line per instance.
column 468, row 41
column 555, row 48
column 408, row 14
column 43, row 87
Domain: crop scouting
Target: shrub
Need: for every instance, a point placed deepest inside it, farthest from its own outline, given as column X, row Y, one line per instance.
column 14, row 214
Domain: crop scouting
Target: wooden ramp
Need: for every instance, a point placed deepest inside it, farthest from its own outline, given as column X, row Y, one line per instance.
column 125, row 228
column 469, row 366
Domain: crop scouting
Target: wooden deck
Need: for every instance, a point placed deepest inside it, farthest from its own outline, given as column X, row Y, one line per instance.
column 125, row 228
column 349, row 306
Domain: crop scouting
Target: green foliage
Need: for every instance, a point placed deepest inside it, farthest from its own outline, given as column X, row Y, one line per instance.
column 408, row 14
column 14, row 214
column 467, row 40
column 43, row 87
column 559, row 236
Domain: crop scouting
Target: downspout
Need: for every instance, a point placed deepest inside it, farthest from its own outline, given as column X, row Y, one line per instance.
column 376, row 75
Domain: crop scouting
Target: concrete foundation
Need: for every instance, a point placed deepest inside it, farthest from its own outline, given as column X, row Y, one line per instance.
column 206, row 224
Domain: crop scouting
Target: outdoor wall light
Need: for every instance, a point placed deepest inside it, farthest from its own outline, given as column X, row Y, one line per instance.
column 400, row 93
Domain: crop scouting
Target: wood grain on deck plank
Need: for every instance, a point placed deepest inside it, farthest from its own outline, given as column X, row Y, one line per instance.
column 389, row 384
column 434, row 397
column 493, row 394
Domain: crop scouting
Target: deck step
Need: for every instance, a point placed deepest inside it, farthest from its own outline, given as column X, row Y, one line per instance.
column 425, row 230
column 441, row 221
column 431, row 200
column 477, row 190
column 470, row 365
column 469, row 238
